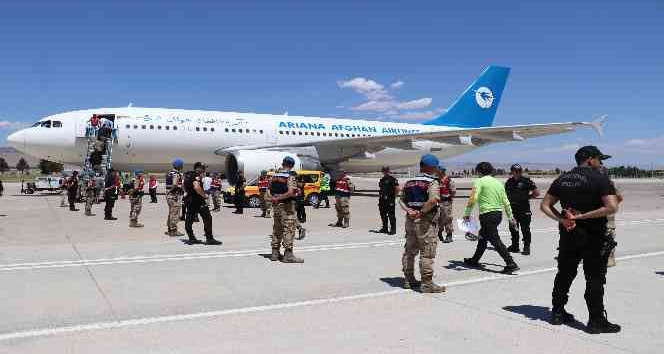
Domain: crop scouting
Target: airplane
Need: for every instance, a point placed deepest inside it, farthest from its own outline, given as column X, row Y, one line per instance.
column 230, row 142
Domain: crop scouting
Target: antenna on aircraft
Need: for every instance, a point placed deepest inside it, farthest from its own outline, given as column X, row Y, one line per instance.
column 130, row 104
column 285, row 113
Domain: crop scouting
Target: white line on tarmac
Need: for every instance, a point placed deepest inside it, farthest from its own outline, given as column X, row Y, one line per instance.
column 236, row 253
column 254, row 309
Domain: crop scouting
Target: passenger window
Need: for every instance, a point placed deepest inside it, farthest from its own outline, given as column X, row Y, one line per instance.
column 127, row 126
column 198, row 129
column 233, row 130
column 175, row 128
column 135, row 126
column 167, row 127
column 347, row 135
column 306, row 133
column 151, row 126
column 287, row 132
column 336, row 134
column 142, row 126
column 281, row 132
column 211, row 129
column 299, row 133
column 254, row 131
column 324, row 134
column 57, row 124
column 226, row 130
column 159, row 127
column 247, row 131
column 261, row 131
column 317, row 133
column 204, row 129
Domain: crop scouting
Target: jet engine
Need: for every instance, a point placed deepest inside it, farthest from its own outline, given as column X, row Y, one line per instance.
column 252, row 162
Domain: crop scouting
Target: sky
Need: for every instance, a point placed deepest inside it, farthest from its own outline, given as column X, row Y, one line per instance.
column 387, row 60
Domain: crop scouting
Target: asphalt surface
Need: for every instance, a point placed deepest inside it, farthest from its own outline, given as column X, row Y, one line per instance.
column 77, row 284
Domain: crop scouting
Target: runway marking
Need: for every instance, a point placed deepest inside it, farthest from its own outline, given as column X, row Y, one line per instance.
column 236, row 253
column 263, row 308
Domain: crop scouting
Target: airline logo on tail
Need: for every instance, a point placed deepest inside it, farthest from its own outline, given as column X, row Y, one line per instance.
column 484, row 97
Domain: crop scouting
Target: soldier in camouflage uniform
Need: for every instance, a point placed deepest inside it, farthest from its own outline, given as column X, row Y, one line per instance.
column 447, row 193
column 282, row 188
column 419, row 198
column 266, row 198
column 136, row 192
column 90, row 194
column 342, row 191
column 174, row 194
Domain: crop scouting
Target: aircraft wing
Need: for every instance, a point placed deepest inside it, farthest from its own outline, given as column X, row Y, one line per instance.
column 470, row 136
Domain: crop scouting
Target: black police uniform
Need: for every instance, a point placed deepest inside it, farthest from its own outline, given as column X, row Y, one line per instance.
column 239, row 194
column 72, row 192
column 196, row 205
column 386, row 202
column 582, row 190
column 110, row 195
column 518, row 193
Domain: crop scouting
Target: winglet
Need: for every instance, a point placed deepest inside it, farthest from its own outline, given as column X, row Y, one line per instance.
column 598, row 125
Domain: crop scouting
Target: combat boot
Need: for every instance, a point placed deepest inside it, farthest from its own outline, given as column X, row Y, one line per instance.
column 89, row 213
column 177, row 233
column 560, row 316
column 169, row 233
column 276, row 255
column 448, row 238
column 600, row 324
column 410, row 282
column 514, row 247
column 289, row 257
column 301, row 233
column 392, row 232
column 428, row 286
column 440, row 236
column 192, row 240
column 526, row 250
column 134, row 223
column 383, row 230
column 346, row 223
column 338, row 224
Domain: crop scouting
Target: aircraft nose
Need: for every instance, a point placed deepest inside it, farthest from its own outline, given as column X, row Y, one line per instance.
column 17, row 140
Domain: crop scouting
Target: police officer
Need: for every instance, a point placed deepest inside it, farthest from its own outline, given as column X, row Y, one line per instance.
column 240, row 184
column 283, row 188
column 264, row 191
column 342, row 190
column 388, row 189
column 72, row 190
column 90, row 193
column 447, row 193
column 519, row 191
column 419, row 199
column 136, row 192
column 111, row 190
column 196, row 204
column 174, row 192
column 586, row 198
column 324, row 190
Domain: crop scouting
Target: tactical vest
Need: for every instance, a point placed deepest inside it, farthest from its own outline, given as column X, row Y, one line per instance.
column 174, row 182
column 416, row 191
column 279, row 184
column 152, row 184
column 342, row 188
column 445, row 192
column 263, row 183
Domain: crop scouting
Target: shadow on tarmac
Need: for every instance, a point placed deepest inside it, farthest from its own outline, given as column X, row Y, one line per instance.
column 460, row 266
column 540, row 313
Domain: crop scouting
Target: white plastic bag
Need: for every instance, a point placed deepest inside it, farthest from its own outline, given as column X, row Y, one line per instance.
column 471, row 226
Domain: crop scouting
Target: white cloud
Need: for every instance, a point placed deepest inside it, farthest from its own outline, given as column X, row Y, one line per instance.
column 375, row 106
column 5, row 124
column 371, row 89
column 422, row 115
column 397, row 85
column 562, row 148
column 416, row 104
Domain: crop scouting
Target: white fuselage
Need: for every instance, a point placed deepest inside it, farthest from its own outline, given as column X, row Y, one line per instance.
column 150, row 138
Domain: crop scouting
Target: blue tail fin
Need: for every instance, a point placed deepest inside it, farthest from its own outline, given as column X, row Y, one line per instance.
column 478, row 104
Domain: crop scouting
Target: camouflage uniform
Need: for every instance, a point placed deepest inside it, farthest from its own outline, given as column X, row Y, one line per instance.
column 266, row 197
column 421, row 233
column 284, row 226
column 174, row 201
column 445, row 219
column 342, row 191
column 90, row 194
column 136, row 201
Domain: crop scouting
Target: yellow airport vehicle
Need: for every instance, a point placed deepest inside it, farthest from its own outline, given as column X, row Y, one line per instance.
column 312, row 180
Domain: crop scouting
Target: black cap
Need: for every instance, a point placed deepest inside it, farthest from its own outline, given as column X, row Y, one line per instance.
column 588, row 152
column 385, row 168
column 516, row 167
column 200, row 165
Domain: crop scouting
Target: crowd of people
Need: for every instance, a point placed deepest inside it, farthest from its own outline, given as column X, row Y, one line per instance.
column 587, row 228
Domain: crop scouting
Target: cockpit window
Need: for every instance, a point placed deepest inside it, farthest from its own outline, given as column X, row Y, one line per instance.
column 46, row 124
column 57, row 124
column 38, row 124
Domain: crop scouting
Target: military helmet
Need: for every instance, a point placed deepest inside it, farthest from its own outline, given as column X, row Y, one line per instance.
column 288, row 161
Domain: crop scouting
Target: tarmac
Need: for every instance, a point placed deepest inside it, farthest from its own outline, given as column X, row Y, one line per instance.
column 77, row 284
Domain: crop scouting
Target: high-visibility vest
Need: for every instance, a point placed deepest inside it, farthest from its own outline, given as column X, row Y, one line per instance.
column 263, row 183
column 342, row 188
